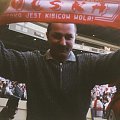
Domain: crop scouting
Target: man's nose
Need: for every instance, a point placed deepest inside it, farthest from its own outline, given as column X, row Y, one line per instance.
column 63, row 41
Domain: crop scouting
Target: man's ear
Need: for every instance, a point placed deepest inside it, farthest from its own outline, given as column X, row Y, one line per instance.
column 47, row 35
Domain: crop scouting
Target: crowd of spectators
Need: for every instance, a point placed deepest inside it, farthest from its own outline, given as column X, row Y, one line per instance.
column 100, row 95
column 100, row 98
column 8, row 88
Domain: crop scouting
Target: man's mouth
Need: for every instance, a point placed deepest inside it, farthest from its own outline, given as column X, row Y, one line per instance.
column 62, row 49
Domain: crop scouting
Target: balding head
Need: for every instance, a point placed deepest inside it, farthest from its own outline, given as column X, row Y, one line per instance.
column 61, row 37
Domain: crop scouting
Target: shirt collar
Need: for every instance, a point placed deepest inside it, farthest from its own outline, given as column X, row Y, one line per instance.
column 71, row 56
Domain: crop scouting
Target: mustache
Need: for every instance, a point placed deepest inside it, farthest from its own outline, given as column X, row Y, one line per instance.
column 61, row 47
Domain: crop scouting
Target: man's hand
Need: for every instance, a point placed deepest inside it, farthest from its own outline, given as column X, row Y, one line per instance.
column 4, row 4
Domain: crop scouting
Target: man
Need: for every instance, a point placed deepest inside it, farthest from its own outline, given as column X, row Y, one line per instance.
column 59, row 83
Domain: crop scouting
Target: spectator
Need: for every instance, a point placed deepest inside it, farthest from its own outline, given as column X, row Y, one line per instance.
column 97, row 106
column 17, row 90
column 113, row 108
column 6, row 92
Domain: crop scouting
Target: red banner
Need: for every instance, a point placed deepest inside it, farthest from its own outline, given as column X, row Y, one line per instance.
column 100, row 12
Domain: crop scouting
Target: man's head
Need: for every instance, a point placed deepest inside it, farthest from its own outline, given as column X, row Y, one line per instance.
column 61, row 37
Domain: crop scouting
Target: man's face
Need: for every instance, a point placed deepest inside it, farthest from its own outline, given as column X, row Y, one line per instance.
column 61, row 38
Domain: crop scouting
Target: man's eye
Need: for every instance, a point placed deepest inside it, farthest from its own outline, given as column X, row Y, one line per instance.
column 68, row 37
column 57, row 36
